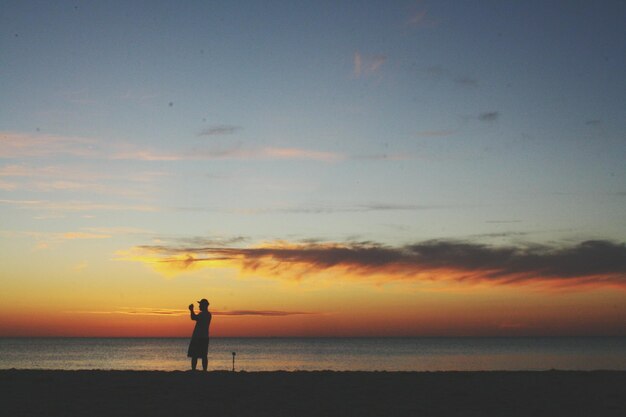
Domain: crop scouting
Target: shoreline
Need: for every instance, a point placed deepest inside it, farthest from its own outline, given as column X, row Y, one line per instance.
column 313, row 371
column 187, row 337
column 313, row 393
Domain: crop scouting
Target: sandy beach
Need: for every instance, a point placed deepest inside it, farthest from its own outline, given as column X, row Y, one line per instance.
column 120, row 393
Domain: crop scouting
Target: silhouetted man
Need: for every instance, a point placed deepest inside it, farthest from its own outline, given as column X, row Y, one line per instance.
column 199, row 345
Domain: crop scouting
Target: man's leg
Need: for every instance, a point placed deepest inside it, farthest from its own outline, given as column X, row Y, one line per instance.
column 194, row 363
column 205, row 362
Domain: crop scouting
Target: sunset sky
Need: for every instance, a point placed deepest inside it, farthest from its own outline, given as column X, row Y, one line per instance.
column 353, row 168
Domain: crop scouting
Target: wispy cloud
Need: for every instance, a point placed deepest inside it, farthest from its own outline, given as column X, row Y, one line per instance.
column 395, row 207
column 316, row 208
column 49, row 178
column 490, row 116
column 435, row 71
column 265, row 313
column 44, row 240
column 135, row 311
column 148, row 311
column 420, row 18
column 201, row 241
column 15, row 171
column 219, row 130
column 84, row 235
column 376, row 61
column 138, row 96
column 460, row 80
column 589, row 263
column 7, row 186
column 383, row 157
column 503, row 221
column 466, row 81
column 358, row 65
column 235, row 153
column 117, row 230
column 73, row 205
column 17, row 145
column 435, row 133
column 319, row 208
column 76, row 177
column 81, row 266
column 78, row 97
column 417, row 18
column 505, row 234
column 74, row 172
column 295, row 153
column 148, row 155
column 367, row 65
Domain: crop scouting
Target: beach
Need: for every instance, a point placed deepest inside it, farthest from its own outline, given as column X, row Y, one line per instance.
column 319, row 393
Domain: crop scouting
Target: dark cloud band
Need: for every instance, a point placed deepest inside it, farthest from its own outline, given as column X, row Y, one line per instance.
column 599, row 261
column 219, row 130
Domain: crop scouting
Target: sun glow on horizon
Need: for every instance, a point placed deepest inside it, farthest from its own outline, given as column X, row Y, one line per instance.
column 386, row 169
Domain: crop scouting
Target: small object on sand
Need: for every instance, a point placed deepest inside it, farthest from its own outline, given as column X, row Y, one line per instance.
column 234, row 353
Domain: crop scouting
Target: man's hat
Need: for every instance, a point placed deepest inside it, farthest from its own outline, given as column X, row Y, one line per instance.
column 204, row 301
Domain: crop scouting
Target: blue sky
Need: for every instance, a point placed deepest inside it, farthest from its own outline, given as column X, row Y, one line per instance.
column 383, row 121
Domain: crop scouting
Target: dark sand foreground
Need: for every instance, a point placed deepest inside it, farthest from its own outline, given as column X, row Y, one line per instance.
column 122, row 393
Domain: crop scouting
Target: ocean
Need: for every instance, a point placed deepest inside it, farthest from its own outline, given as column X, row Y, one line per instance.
column 338, row 354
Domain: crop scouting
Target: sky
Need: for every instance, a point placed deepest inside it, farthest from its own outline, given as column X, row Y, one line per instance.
column 322, row 168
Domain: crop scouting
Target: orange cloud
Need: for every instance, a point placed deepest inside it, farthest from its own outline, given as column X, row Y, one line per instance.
column 72, row 205
column 230, row 153
column 51, row 178
column 84, row 235
column 587, row 264
column 18, row 145
column 417, row 18
column 147, row 155
column 147, row 311
column 420, row 19
column 367, row 65
column 7, row 186
column 357, row 64
column 295, row 153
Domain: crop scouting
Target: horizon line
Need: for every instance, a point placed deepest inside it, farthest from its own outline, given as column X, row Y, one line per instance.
column 329, row 337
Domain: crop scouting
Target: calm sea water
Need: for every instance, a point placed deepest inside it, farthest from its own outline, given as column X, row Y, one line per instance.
column 367, row 354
